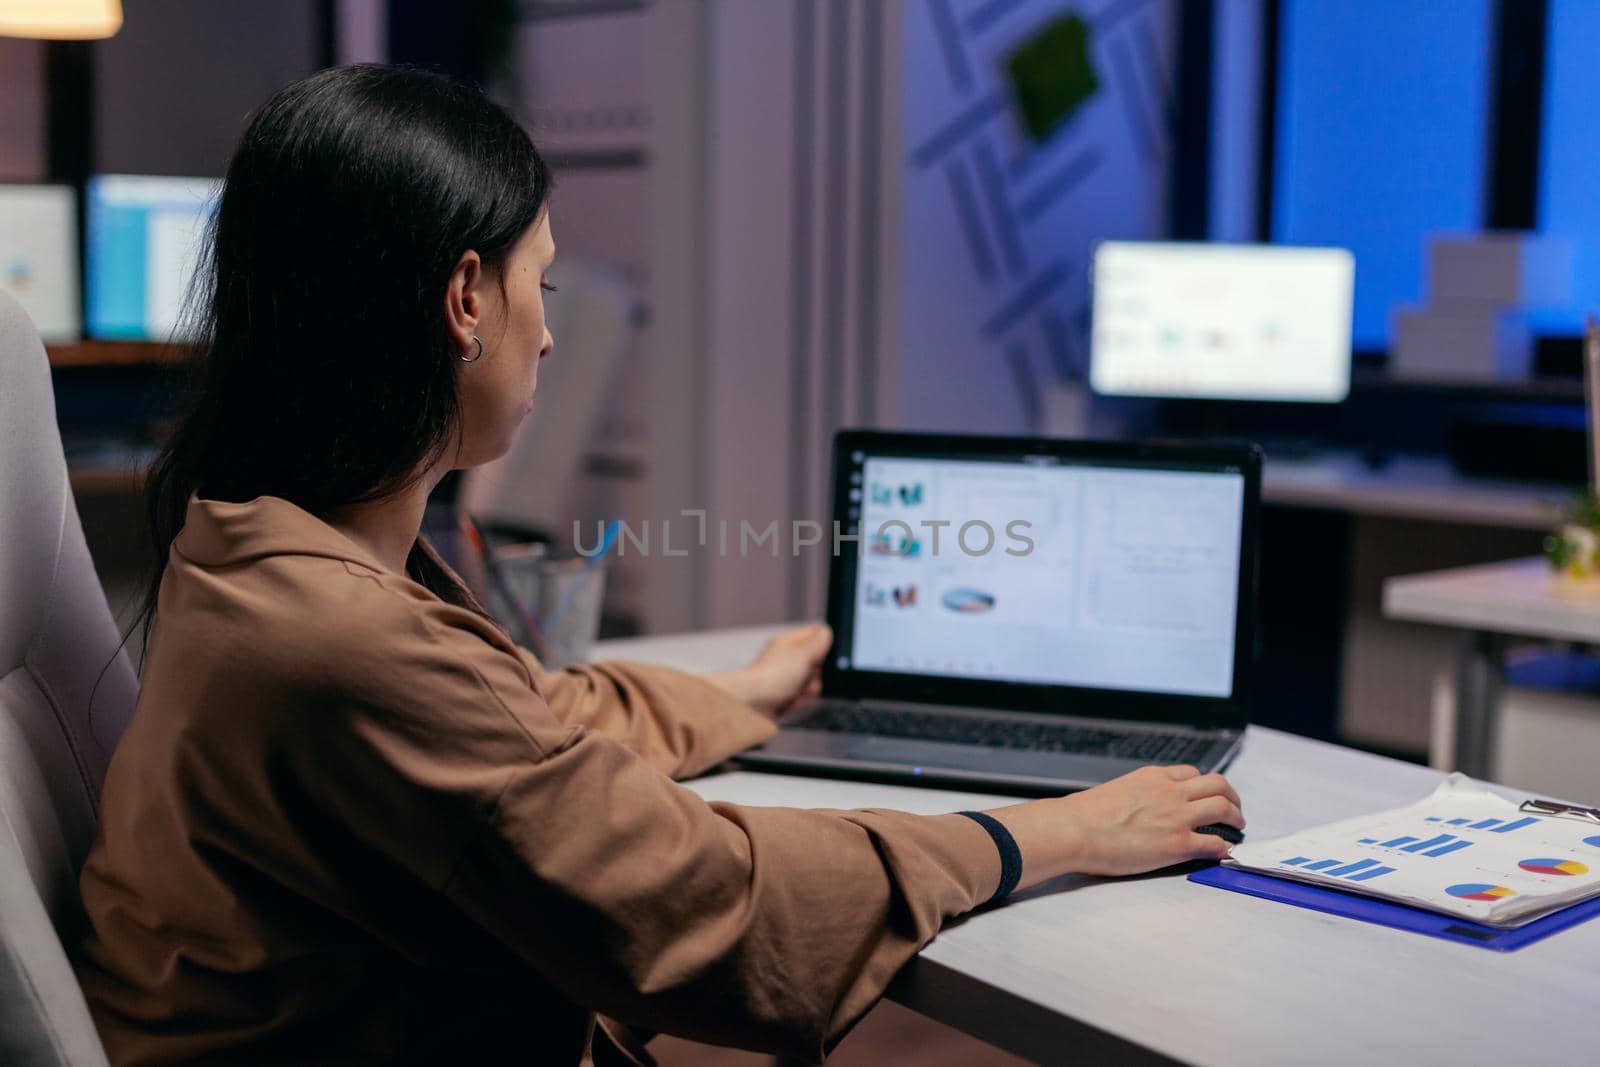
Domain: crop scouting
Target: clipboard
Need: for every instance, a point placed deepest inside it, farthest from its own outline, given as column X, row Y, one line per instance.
column 1398, row 916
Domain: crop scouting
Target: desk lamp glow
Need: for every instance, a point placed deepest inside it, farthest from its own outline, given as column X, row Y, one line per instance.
column 60, row 20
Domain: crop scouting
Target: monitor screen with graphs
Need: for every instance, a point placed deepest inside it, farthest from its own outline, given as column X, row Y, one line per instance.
column 144, row 238
column 39, row 256
column 1221, row 321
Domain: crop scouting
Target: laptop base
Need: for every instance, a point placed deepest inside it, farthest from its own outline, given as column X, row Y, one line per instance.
column 935, row 763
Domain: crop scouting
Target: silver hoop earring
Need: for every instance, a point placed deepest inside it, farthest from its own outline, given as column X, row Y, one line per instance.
column 476, row 356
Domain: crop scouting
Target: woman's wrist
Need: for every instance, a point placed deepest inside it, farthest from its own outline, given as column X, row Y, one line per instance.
column 741, row 684
column 1006, row 846
column 1048, row 842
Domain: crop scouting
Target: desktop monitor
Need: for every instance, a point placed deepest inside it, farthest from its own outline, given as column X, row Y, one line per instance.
column 144, row 241
column 39, row 256
column 1221, row 321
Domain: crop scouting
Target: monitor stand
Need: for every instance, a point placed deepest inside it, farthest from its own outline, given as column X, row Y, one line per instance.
column 1210, row 423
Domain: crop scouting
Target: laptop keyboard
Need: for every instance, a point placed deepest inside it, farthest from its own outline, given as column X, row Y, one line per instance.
column 1143, row 745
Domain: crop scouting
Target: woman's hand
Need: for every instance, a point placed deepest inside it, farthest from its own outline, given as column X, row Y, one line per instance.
column 787, row 669
column 1139, row 822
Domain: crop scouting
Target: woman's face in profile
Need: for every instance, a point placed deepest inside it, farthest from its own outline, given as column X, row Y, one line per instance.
column 497, row 389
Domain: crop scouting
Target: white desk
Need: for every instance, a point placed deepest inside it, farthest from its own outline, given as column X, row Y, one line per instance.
column 1410, row 487
column 1157, row 969
column 1521, row 597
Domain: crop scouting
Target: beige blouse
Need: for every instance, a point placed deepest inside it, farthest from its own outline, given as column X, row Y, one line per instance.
column 352, row 823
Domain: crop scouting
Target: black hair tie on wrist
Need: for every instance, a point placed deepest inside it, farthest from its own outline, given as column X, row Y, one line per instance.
column 1010, row 855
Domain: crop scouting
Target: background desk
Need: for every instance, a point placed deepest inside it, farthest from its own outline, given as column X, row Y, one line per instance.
column 1521, row 597
column 1333, row 665
column 1157, row 969
column 1410, row 486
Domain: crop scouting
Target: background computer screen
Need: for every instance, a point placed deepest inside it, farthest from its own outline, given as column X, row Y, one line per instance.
column 39, row 256
column 1224, row 322
column 144, row 238
column 1099, row 576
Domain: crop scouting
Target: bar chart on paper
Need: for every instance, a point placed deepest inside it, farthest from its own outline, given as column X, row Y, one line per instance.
column 1359, row 871
column 1438, row 845
column 1494, row 826
column 1462, row 850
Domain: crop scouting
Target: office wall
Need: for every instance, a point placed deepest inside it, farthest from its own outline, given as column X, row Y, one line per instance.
column 361, row 31
column 851, row 228
column 758, row 223
column 584, row 85
column 173, row 89
column 22, row 110
column 801, row 279
column 889, row 247
column 998, row 227
column 1236, row 53
column 835, row 218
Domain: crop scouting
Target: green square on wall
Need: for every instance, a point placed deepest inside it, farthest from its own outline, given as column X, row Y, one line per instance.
column 1052, row 76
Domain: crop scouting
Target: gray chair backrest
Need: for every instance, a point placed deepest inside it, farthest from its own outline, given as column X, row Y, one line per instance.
column 56, row 636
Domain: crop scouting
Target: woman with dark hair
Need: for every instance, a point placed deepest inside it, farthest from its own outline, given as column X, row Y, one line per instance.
column 351, row 821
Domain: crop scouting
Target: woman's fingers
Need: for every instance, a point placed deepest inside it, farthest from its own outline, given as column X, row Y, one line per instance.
column 1210, row 785
column 1181, row 772
column 1208, row 847
column 1215, row 809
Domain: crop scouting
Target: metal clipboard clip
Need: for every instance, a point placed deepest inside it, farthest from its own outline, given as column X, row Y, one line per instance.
column 1558, row 810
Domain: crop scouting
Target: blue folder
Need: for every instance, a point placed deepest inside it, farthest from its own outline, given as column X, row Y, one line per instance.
column 1399, row 916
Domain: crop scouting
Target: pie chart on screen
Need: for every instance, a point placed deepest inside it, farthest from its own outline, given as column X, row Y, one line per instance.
column 1480, row 891
column 969, row 601
column 1553, row 866
column 1595, row 841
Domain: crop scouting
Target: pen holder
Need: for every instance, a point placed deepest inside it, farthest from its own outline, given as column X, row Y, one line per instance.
column 557, row 600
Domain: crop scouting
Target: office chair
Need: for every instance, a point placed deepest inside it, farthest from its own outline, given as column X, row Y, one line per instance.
column 56, row 637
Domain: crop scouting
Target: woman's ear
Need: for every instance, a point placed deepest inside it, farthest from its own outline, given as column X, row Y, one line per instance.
column 463, row 300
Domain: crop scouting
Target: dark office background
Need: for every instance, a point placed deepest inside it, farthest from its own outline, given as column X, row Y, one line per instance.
column 1379, row 124
column 1374, row 125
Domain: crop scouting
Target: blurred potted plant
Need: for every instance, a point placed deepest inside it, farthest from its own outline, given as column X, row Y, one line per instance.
column 1573, row 549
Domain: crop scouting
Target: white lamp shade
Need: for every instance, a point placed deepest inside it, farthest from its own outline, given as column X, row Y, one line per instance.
column 60, row 20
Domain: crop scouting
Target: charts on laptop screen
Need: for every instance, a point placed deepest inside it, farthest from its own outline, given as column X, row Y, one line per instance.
column 1224, row 322
column 39, row 256
column 144, row 240
column 1107, row 577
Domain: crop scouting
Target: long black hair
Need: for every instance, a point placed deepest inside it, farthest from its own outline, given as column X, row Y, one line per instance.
column 325, row 374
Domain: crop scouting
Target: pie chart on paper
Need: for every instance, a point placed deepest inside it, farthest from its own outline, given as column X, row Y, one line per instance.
column 1480, row 891
column 1553, row 866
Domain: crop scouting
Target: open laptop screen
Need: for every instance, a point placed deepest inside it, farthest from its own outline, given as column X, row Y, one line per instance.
column 1064, row 566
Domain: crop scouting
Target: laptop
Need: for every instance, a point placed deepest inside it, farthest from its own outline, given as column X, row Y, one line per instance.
column 1031, row 616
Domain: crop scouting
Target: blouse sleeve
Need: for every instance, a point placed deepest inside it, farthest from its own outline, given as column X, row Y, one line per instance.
column 681, row 724
column 768, row 928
